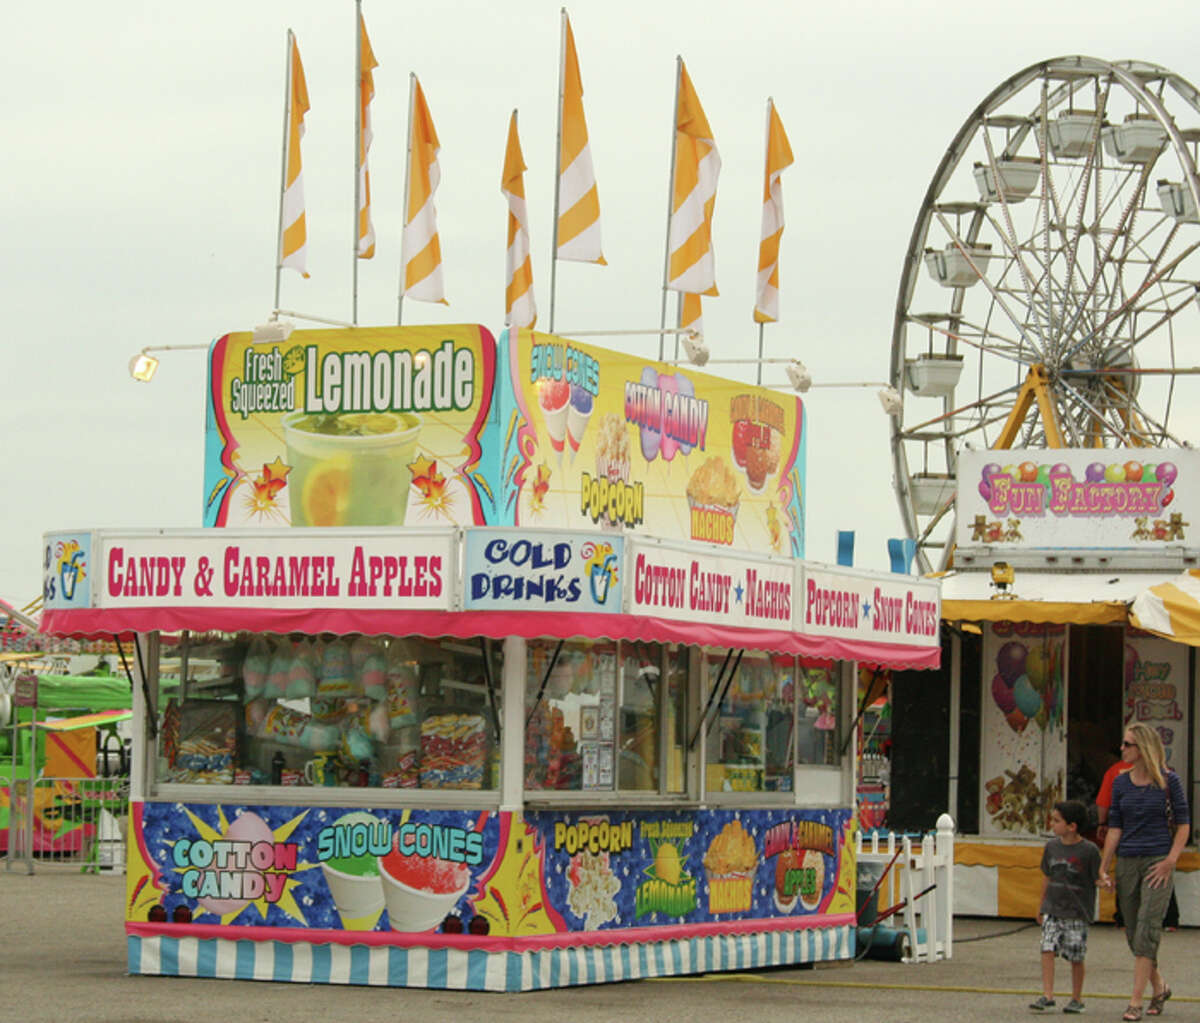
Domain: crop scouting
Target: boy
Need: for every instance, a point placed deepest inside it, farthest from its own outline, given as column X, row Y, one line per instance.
column 1071, row 864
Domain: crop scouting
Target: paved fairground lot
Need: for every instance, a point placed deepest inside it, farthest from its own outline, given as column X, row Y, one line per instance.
column 62, row 960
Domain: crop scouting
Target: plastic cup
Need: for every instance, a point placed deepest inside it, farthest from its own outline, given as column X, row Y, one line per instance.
column 358, row 897
column 432, row 889
column 350, row 469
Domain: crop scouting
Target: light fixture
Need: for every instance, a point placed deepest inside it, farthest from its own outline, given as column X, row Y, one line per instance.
column 273, row 330
column 143, row 366
column 798, row 374
column 1002, row 575
column 891, row 401
column 697, row 350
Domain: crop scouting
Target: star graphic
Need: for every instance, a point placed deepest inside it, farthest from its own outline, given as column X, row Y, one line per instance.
column 422, row 467
column 866, row 609
column 738, row 591
column 277, row 470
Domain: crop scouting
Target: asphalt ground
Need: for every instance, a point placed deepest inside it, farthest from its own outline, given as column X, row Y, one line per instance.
column 62, row 958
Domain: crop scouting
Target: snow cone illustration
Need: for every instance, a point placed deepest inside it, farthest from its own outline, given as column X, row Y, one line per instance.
column 353, row 873
column 578, row 413
column 553, row 398
column 420, row 890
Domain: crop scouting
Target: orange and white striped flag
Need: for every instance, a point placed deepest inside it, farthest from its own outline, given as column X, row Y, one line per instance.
column 578, row 201
column 420, row 249
column 691, row 267
column 519, row 309
column 779, row 156
column 691, row 315
column 293, row 234
column 366, row 92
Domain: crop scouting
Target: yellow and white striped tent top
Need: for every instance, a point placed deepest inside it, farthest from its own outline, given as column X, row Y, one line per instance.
column 1171, row 609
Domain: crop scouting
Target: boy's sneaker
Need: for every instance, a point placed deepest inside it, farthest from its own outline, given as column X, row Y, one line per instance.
column 1074, row 1005
column 1042, row 1004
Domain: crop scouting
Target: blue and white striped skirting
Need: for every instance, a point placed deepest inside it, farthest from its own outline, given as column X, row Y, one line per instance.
column 478, row 969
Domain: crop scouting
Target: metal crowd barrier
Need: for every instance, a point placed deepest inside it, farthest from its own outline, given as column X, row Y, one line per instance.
column 74, row 821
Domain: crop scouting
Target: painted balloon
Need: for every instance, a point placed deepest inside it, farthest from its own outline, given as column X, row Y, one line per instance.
column 1043, row 475
column 1166, row 473
column 1149, row 473
column 991, row 469
column 1115, row 473
column 1168, row 497
column 1133, row 471
column 1016, row 720
column 1029, row 472
column 1060, row 469
column 1029, row 700
column 1013, row 471
column 1010, row 660
column 1038, row 667
column 1095, row 472
column 1002, row 693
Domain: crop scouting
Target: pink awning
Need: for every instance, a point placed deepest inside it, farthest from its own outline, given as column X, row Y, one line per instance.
column 94, row 622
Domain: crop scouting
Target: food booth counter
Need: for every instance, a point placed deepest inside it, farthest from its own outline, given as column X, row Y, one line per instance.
column 485, row 758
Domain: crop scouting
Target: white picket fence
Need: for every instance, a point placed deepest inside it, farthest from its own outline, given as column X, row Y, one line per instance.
column 921, row 877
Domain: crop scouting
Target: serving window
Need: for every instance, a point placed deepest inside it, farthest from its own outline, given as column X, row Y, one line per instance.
column 329, row 711
column 751, row 724
column 605, row 716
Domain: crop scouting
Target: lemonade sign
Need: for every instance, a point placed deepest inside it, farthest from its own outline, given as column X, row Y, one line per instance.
column 351, row 427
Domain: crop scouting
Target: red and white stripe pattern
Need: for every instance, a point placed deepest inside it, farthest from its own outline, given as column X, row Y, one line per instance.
column 779, row 156
column 578, row 201
column 691, row 267
column 420, row 249
column 519, row 308
column 366, row 92
column 293, row 238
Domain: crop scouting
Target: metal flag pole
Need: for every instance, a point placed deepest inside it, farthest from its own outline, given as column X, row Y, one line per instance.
column 357, row 152
column 287, row 110
column 670, row 204
column 562, row 75
column 766, row 175
column 412, row 91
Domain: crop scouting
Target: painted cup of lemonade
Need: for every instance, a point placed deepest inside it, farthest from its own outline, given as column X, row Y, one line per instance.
column 350, row 468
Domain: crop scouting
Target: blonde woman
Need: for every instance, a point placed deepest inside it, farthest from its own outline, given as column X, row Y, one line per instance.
column 1148, row 828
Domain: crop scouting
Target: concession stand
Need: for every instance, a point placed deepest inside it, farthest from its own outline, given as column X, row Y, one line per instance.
column 576, row 711
column 1057, row 640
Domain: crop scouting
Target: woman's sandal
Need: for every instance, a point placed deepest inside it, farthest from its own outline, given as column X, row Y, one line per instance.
column 1156, row 1003
column 1132, row 1013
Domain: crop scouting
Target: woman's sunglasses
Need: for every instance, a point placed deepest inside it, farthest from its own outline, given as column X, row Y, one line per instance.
column 1125, row 744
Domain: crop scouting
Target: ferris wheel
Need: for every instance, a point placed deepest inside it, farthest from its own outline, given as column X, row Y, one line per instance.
column 1050, row 295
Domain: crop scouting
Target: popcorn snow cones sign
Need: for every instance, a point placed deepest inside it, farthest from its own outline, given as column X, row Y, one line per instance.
column 356, row 427
column 609, row 440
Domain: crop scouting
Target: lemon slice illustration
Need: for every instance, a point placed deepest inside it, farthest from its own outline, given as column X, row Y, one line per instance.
column 666, row 864
column 326, row 496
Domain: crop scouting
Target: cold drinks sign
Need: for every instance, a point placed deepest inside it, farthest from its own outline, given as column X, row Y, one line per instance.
column 1117, row 497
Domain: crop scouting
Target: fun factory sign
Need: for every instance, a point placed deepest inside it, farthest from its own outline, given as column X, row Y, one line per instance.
column 1116, row 497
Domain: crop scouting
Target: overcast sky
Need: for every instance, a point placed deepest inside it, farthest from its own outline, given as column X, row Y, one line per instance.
column 141, row 172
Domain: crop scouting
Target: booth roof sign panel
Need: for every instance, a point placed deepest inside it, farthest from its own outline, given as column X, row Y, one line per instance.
column 370, row 426
column 627, row 444
column 1142, row 498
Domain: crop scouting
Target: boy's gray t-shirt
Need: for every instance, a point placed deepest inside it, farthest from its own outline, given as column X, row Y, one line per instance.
column 1072, row 870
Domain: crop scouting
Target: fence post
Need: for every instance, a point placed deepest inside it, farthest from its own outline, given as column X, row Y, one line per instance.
column 945, row 848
